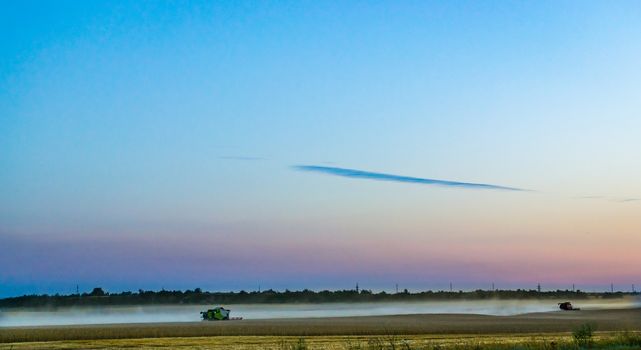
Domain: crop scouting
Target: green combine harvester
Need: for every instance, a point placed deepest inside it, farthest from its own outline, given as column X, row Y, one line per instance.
column 218, row 314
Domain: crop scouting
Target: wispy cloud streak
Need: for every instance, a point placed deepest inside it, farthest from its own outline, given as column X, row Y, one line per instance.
column 240, row 158
column 612, row 199
column 625, row 200
column 367, row 175
column 590, row 197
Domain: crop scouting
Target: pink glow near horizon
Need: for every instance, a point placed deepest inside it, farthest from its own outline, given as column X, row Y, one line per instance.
column 185, row 257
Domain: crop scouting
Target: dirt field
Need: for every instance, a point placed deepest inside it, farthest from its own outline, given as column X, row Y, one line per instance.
column 443, row 324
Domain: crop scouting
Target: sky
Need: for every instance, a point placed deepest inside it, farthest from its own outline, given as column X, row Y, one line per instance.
column 319, row 144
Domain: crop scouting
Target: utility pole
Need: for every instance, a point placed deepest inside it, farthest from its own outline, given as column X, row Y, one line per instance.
column 633, row 288
column 356, row 287
column 611, row 287
column 573, row 287
column 538, row 287
column 493, row 286
column 396, row 288
column 450, row 287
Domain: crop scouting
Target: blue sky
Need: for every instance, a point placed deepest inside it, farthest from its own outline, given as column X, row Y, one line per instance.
column 141, row 124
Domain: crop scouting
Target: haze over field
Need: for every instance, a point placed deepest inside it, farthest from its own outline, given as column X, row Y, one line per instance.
column 190, row 313
column 234, row 145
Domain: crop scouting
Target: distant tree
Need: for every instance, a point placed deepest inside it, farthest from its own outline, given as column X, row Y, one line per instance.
column 97, row 292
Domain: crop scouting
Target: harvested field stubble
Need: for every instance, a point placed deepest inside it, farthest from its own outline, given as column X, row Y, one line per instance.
column 620, row 341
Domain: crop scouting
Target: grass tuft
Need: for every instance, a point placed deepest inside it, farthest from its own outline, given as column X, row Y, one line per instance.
column 583, row 335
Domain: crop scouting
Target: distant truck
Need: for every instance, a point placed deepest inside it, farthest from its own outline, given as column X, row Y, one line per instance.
column 567, row 306
column 218, row 314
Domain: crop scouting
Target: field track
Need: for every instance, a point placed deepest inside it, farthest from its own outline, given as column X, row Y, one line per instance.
column 550, row 322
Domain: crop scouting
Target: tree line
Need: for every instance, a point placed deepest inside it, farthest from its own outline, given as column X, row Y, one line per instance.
column 99, row 297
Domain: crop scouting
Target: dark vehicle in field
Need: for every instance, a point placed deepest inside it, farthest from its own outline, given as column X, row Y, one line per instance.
column 215, row 314
column 567, row 306
column 218, row 314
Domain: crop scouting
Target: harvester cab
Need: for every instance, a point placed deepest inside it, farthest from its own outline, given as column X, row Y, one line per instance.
column 567, row 306
column 215, row 314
